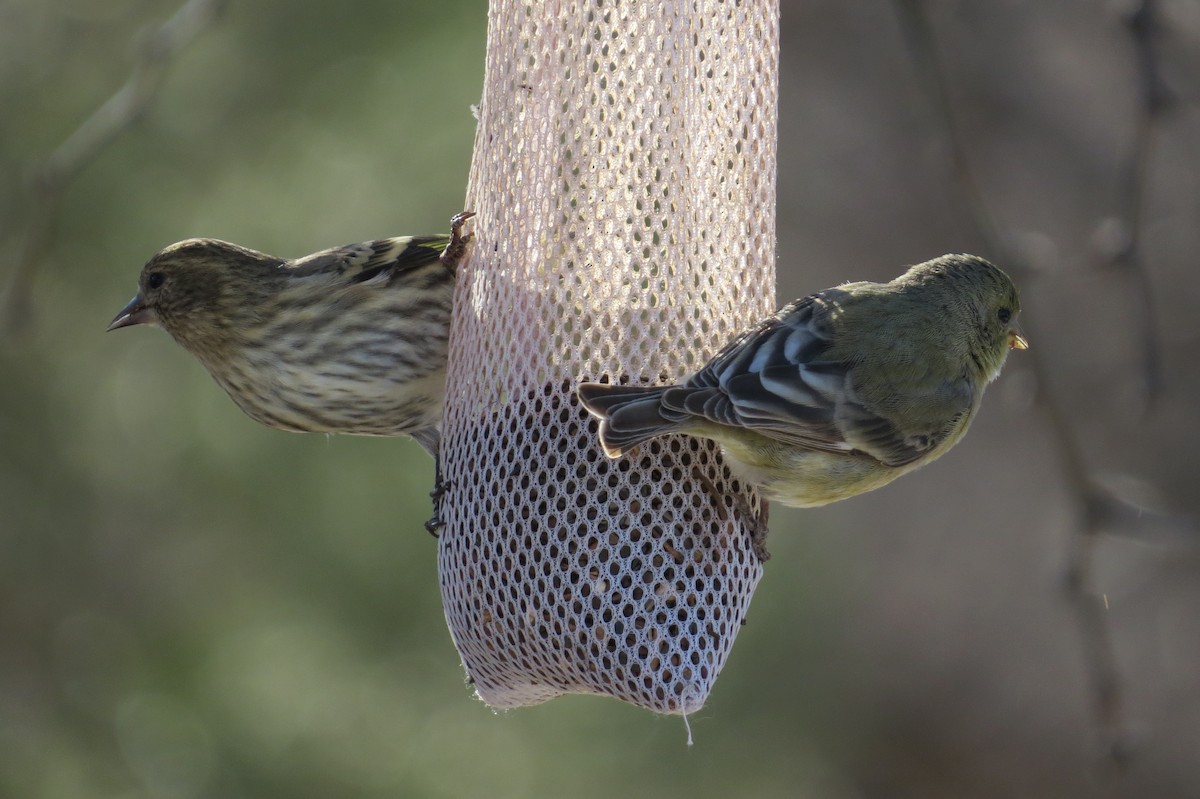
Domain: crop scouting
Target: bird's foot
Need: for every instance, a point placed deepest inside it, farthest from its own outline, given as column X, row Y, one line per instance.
column 434, row 525
column 440, row 487
column 452, row 255
column 756, row 522
column 758, row 527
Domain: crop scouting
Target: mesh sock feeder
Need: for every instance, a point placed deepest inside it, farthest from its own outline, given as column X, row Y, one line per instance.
column 624, row 181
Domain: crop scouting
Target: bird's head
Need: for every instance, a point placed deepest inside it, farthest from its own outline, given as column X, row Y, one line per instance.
column 199, row 289
column 983, row 299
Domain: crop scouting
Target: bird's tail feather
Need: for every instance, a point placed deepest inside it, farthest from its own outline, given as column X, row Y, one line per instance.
column 629, row 415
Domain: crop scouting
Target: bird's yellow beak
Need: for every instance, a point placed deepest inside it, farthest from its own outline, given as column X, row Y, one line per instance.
column 135, row 313
column 1016, row 341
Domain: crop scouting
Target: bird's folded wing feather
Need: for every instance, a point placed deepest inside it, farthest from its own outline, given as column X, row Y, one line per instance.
column 381, row 260
column 779, row 380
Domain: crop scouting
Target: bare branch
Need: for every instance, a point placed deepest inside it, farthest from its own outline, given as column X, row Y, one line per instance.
column 1154, row 99
column 1094, row 506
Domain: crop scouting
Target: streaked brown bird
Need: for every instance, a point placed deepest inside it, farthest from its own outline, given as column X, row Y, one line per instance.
column 347, row 340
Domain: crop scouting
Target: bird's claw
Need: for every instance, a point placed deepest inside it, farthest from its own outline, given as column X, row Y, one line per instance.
column 440, row 487
column 756, row 522
column 758, row 527
column 452, row 255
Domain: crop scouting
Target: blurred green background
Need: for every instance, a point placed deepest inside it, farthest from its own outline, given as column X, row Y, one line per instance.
column 192, row 605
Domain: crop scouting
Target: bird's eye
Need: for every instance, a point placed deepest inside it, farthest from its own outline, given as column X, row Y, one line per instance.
column 1005, row 314
column 155, row 280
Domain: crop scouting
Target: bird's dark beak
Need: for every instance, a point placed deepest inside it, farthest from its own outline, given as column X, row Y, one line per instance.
column 1016, row 341
column 135, row 313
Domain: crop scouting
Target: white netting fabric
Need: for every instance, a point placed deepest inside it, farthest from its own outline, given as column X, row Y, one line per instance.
column 624, row 180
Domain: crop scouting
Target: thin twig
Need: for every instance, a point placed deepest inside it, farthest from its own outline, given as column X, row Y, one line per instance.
column 1154, row 99
column 49, row 180
column 1092, row 504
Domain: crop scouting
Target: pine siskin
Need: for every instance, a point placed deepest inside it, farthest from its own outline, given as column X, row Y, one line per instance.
column 348, row 340
column 842, row 391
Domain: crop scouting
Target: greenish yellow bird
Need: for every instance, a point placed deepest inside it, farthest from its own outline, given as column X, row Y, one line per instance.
column 842, row 391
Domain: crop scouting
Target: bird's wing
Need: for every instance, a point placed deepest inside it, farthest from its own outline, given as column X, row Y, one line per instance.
column 381, row 260
column 772, row 380
column 929, row 418
column 780, row 380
